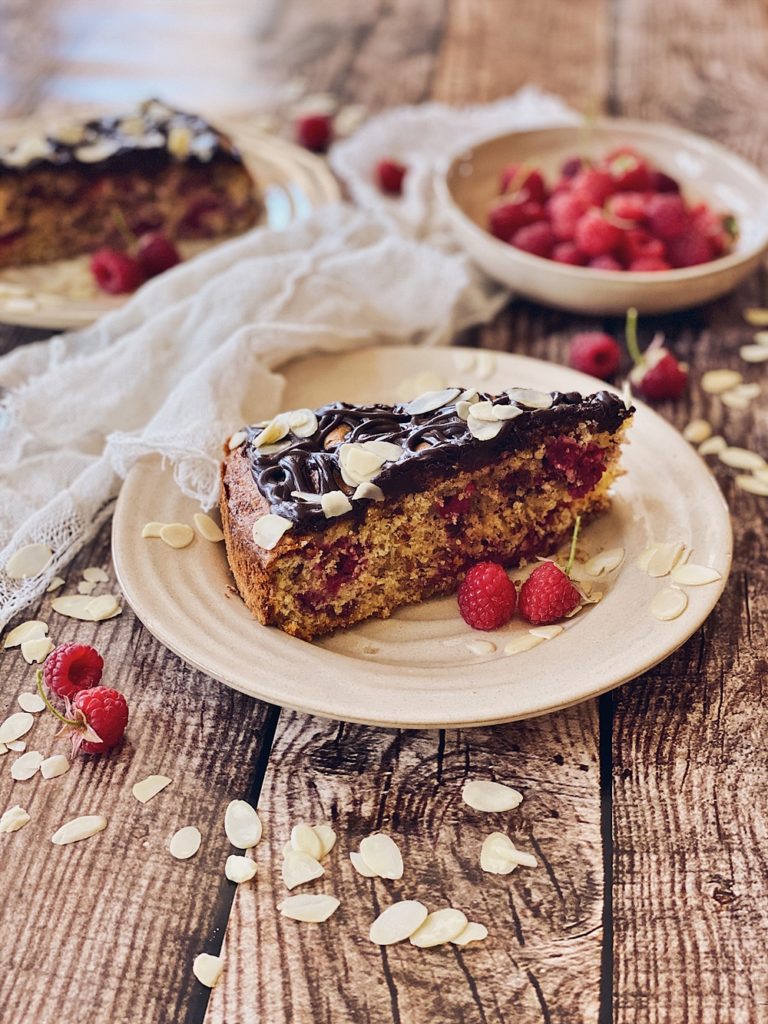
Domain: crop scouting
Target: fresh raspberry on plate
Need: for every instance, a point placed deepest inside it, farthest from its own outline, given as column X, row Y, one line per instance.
column 315, row 132
column 156, row 253
column 662, row 378
column 596, row 353
column 487, row 596
column 536, row 239
column 547, row 595
column 666, row 215
column 105, row 711
column 116, row 272
column 390, row 175
column 71, row 668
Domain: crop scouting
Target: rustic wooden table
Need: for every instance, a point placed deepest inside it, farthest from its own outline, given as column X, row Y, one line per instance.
column 646, row 809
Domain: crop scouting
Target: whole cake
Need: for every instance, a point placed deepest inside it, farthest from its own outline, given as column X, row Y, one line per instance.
column 78, row 189
column 336, row 515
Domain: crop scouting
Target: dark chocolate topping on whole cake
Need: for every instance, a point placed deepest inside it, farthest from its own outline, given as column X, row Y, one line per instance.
column 295, row 472
column 151, row 136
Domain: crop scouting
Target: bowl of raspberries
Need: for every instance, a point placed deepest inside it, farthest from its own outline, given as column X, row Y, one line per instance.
column 614, row 213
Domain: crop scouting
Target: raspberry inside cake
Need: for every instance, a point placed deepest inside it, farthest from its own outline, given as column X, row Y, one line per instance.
column 346, row 512
column 157, row 169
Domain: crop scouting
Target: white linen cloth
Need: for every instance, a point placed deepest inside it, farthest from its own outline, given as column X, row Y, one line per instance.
column 195, row 353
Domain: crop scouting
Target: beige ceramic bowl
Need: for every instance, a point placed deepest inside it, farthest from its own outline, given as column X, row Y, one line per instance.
column 707, row 171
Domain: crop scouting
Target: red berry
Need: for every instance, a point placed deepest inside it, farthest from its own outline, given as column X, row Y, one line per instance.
column 71, row 668
column 156, row 253
column 646, row 264
column 571, row 167
column 487, row 596
column 536, row 239
column 593, row 185
column 106, row 712
column 567, row 252
column 666, row 215
column 116, row 272
column 689, row 249
column 629, row 171
column 627, row 205
column 637, row 242
column 663, row 377
column 596, row 353
column 389, row 176
column 519, row 178
column 605, row 263
column 565, row 211
column 315, row 132
column 509, row 216
column 547, row 595
column 661, row 182
column 595, row 234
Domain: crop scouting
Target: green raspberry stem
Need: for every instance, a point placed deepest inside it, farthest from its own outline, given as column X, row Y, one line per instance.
column 631, row 336
column 41, row 691
column 572, row 552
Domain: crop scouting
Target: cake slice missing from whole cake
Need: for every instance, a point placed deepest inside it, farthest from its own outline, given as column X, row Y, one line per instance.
column 336, row 515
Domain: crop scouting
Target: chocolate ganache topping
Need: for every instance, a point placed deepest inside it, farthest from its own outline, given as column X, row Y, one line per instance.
column 290, row 473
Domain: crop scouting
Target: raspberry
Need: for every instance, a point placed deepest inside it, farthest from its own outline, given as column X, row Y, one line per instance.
column 666, row 215
column 519, row 178
column 596, row 353
column 72, row 668
column 661, row 182
column 315, row 132
column 593, row 186
column 536, row 239
column 106, row 712
column 689, row 249
column 509, row 216
column 571, row 167
column 637, row 242
column 389, row 176
column 644, row 264
column 627, row 205
column 116, row 272
column 156, row 254
column 595, row 235
column 565, row 211
column 629, row 171
column 605, row 263
column 487, row 596
column 663, row 378
column 567, row 252
column 547, row 595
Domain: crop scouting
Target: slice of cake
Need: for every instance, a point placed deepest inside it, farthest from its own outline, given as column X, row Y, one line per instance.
column 350, row 511
column 157, row 169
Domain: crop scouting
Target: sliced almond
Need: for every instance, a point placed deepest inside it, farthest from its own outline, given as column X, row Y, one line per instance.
column 692, row 575
column 485, row 364
column 242, row 825
column 79, row 828
column 104, row 607
column 668, row 604
column 497, row 854
column 299, row 867
column 464, row 359
column 761, row 337
column 185, row 842
column 268, row 530
column 208, row 528
column 13, row 819
column 148, row 788
column 237, row 439
column 313, row 909
column 753, row 485
column 398, row 922
column 473, row 932
column 713, row 445
column 34, row 652
column 715, row 382
column 438, row 927
column 152, row 530
column 94, row 574
column 524, row 642
column 31, row 702
column 360, row 866
column 735, row 401
column 480, row 647
column 56, row 582
column 664, row 558
column 24, row 767
column 335, row 503
column 18, row 746
column 32, row 629
column 481, row 430
column 604, row 562
column 491, row 797
column 697, row 431
column 84, row 587
column 16, row 726
column 239, row 869
column 741, row 458
column 74, row 606
column 177, row 535
column 368, row 490
column 756, row 316
column 546, row 632
column 382, row 855
column 207, row 969
column 28, row 561
column 304, row 839
column 327, row 838
column 54, row 766
column 530, row 398
column 430, row 401
column 754, row 353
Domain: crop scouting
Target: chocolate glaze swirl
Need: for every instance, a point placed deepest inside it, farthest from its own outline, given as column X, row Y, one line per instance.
column 433, row 443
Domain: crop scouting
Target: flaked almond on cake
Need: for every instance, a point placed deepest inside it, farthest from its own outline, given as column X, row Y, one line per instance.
column 350, row 511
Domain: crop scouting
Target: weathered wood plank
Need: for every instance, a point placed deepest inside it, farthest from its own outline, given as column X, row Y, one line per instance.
column 541, row 961
column 107, row 929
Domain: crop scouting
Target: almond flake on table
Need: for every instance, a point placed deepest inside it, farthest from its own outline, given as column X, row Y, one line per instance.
column 327, row 838
column 304, row 839
column 36, row 651
column 753, row 485
column 398, row 922
column 19, row 746
column 360, row 866
column 349, row 118
column 239, row 869
column 185, row 842
column 13, row 819
column 84, row 587
column 208, row 527
column 312, row 909
column 28, row 561
column 713, row 445
column 761, row 338
column 756, row 316
column 750, row 391
column 32, row 629
column 522, row 643
column 94, row 574
column 56, row 582
column 668, row 604
column 177, row 535
column 299, row 868
column 733, row 400
column 438, row 927
column 79, row 828
column 54, row 766
column 24, row 767
column 604, row 562
column 207, row 969
column 31, row 702
column 500, row 856
column 382, row 855
column 242, row 825
column 692, row 575
column 3, row 749
column 697, row 431
column 16, row 726
column 741, row 458
column 754, row 353
column 473, row 932
column 715, row 382
column 491, row 797
column 151, row 530
column 146, row 789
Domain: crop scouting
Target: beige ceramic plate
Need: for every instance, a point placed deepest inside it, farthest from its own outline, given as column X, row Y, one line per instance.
column 63, row 294
column 415, row 670
column 706, row 170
